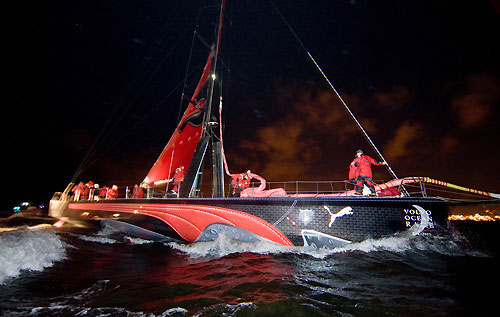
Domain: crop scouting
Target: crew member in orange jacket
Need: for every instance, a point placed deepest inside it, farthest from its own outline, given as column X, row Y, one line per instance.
column 360, row 171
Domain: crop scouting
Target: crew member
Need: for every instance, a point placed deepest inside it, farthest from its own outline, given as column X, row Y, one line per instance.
column 96, row 192
column 112, row 192
column 360, row 171
column 240, row 182
column 78, row 190
column 177, row 179
column 90, row 185
column 103, row 192
column 137, row 192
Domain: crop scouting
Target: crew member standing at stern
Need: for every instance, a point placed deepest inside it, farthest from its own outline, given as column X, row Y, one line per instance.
column 360, row 170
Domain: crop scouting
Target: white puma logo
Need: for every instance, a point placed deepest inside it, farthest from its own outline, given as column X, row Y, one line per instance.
column 344, row 211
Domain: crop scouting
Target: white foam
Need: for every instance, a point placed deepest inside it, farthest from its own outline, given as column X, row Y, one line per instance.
column 232, row 310
column 98, row 239
column 174, row 311
column 223, row 246
column 35, row 227
column 32, row 250
column 391, row 243
column 71, row 310
column 235, row 308
column 397, row 243
column 101, row 237
column 134, row 240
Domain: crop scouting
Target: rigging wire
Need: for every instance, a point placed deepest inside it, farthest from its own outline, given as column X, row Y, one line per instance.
column 365, row 134
column 185, row 84
column 195, row 33
column 138, row 122
column 105, row 131
column 140, row 69
column 144, row 85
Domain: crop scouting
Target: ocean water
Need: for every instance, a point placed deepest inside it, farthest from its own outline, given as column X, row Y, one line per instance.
column 48, row 272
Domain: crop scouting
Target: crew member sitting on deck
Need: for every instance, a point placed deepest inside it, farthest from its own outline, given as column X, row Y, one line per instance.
column 240, row 182
column 360, row 171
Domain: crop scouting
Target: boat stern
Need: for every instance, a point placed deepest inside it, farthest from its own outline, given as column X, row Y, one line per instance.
column 57, row 207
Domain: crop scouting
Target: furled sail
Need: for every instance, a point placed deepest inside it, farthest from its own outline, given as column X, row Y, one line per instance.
column 180, row 148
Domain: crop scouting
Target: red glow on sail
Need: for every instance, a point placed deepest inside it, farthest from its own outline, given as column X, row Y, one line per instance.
column 181, row 146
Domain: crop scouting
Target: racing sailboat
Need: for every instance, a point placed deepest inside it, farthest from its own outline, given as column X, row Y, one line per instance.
column 276, row 215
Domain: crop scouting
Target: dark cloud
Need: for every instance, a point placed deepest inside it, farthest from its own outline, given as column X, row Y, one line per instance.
column 478, row 97
column 396, row 98
column 401, row 146
column 449, row 145
column 302, row 143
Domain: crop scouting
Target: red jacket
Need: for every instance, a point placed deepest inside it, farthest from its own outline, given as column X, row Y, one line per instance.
column 80, row 188
column 103, row 191
column 179, row 176
column 362, row 166
column 112, row 193
column 137, row 192
column 241, row 181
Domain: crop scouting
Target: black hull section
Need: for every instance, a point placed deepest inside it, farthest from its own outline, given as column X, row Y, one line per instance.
column 321, row 222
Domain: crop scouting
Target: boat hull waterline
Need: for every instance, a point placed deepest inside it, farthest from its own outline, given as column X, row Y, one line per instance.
column 320, row 222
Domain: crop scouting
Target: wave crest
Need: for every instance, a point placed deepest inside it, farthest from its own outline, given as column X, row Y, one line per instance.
column 31, row 250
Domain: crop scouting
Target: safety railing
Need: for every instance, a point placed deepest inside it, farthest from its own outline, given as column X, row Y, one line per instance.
column 97, row 194
column 291, row 188
column 308, row 187
column 295, row 188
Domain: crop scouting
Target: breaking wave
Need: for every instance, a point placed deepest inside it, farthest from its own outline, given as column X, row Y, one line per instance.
column 398, row 243
column 28, row 250
column 108, row 235
column 98, row 239
column 223, row 246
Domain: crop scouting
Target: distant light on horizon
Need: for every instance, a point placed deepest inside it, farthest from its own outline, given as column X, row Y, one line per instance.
column 476, row 217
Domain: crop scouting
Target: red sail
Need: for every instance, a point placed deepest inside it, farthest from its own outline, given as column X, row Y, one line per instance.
column 181, row 146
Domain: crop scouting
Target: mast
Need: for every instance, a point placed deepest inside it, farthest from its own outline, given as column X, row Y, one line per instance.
column 217, row 166
column 192, row 181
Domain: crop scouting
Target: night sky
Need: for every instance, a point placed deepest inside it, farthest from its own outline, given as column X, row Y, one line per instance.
column 423, row 77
